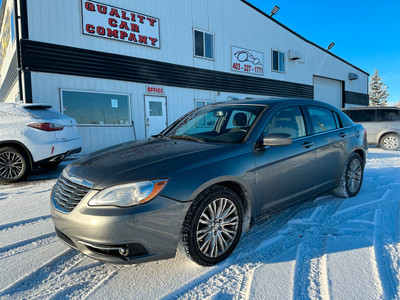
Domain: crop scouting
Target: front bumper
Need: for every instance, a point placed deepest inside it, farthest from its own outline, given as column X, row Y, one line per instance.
column 143, row 233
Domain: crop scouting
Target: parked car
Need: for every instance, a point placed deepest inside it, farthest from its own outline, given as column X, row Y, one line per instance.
column 381, row 123
column 206, row 178
column 31, row 136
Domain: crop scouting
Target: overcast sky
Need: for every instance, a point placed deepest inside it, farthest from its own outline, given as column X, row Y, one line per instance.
column 365, row 32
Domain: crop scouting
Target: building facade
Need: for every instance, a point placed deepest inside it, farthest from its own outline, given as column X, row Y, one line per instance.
column 125, row 69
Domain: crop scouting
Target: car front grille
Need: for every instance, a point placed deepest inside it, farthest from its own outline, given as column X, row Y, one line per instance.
column 69, row 191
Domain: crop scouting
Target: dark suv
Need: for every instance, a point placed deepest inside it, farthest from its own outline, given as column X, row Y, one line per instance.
column 381, row 123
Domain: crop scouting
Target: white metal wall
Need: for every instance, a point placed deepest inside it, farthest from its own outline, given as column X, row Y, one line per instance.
column 233, row 22
column 46, row 89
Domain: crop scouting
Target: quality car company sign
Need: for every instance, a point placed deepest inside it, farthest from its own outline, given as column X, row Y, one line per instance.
column 247, row 61
column 120, row 24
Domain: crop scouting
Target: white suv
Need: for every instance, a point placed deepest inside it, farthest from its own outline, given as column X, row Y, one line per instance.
column 31, row 136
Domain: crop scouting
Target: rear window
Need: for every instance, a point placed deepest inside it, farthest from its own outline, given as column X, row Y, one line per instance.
column 43, row 113
column 388, row 115
column 322, row 119
column 361, row 115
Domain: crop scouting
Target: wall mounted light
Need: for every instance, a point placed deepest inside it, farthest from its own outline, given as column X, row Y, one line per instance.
column 274, row 10
column 353, row 76
column 330, row 46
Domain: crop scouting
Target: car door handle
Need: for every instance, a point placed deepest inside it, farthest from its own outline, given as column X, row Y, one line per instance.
column 307, row 145
column 342, row 134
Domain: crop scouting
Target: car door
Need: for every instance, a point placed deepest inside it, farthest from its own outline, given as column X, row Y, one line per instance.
column 285, row 174
column 333, row 145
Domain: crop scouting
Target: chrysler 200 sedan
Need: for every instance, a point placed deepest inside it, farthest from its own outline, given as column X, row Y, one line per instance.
column 205, row 179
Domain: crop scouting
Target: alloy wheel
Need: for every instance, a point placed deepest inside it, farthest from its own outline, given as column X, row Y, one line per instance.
column 391, row 142
column 11, row 165
column 354, row 175
column 217, row 227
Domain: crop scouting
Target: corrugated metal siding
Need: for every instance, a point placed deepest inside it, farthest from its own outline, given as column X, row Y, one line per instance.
column 356, row 98
column 10, row 79
column 43, row 57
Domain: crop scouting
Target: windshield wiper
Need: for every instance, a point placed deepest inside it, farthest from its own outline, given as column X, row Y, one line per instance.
column 187, row 137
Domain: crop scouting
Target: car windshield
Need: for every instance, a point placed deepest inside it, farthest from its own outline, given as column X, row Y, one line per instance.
column 216, row 123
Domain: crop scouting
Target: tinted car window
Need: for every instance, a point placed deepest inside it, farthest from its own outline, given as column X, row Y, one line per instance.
column 338, row 121
column 321, row 119
column 210, row 123
column 361, row 115
column 289, row 120
column 388, row 115
column 43, row 113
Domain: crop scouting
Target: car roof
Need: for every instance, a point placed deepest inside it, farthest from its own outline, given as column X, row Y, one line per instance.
column 371, row 107
column 26, row 105
column 273, row 101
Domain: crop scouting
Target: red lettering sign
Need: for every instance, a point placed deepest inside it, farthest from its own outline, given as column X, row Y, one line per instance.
column 111, row 22
column 154, row 90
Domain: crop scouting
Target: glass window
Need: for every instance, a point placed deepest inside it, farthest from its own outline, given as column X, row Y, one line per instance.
column 338, row 121
column 199, row 43
column 155, row 108
column 321, row 119
column 209, row 123
column 388, row 115
column 367, row 115
column 203, row 44
column 208, row 45
column 289, row 120
column 43, row 112
column 278, row 61
column 96, row 108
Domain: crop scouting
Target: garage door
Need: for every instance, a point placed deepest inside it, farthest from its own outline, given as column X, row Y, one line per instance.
column 328, row 90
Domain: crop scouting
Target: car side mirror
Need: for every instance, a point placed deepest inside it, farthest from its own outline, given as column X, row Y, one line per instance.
column 277, row 139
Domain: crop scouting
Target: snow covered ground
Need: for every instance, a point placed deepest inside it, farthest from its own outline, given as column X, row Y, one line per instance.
column 326, row 248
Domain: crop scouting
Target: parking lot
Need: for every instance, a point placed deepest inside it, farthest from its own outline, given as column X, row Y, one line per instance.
column 325, row 248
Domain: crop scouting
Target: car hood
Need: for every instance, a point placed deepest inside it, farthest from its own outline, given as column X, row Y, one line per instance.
column 142, row 160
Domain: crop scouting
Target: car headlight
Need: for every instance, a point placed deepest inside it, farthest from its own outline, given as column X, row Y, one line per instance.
column 128, row 194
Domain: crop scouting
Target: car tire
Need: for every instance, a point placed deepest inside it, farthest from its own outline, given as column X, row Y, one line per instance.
column 351, row 178
column 390, row 141
column 14, row 165
column 213, row 226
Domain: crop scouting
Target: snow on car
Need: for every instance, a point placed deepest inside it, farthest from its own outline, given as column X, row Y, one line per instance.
column 31, row 136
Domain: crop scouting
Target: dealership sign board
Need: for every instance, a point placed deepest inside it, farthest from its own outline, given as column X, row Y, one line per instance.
column 247, row 61
column 115, row 23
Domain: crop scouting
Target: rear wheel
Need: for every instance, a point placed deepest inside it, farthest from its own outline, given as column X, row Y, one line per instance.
column 14, row 165
column 390, row 142
column 213, row 226
column 351, row 179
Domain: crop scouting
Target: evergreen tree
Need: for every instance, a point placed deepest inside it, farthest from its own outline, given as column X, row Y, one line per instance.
column 378, row 91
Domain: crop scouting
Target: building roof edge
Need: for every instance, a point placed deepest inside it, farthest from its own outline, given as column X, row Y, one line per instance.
column 301, row 37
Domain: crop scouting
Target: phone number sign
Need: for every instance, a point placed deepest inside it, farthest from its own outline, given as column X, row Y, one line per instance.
column 247, row 61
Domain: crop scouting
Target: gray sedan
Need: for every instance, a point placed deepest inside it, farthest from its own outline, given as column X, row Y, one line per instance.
column 205, row 179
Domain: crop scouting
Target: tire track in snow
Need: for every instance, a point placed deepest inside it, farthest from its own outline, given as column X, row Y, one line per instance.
column 310, row 271
column 38, row 279
column 279, row 238
column 24, row 223
column 234, row 280
column 387, row 245
column 27, row 245
column 61, row 278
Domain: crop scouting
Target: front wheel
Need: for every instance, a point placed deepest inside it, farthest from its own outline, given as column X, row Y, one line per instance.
column 212, row 226
column 14, row 166
column 352, row 177
column 390, row 142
